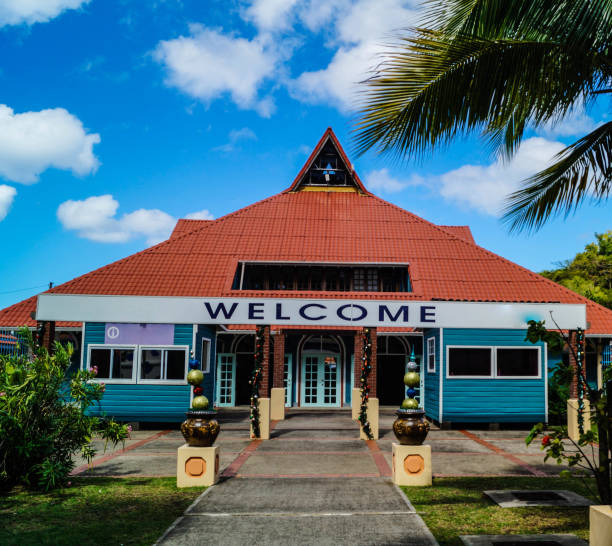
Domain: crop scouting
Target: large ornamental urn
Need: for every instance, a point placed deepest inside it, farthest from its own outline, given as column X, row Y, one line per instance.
column 201, row 428
column 410, row 427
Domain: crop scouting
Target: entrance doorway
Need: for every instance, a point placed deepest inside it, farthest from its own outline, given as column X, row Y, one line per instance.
column 321, row 372
column 391, row 358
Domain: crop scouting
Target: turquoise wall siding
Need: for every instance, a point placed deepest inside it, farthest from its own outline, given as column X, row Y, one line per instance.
column 493, row 400
column 137, row 402
column 432, row 380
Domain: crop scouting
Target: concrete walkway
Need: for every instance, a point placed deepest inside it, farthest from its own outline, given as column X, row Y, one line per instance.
column 313, row 482
column 325, row 442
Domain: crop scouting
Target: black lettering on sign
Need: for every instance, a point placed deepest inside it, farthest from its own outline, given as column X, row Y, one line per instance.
column 220, row 309
column 428, row 313
column 304, row 308
column 384, row 310
column 279, row 312
column 340, row 312
column 256, row 311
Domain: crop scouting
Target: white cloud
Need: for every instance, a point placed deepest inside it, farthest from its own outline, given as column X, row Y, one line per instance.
column 235, row 136
column 484, row 188
column 95, row 218
column 208, row 64
column 203, row 214
column 271, row 15
column 7, row 194
column 382, row 181
column 361, row 29
column 32, row 142
column 577, row 122
column 15, row 12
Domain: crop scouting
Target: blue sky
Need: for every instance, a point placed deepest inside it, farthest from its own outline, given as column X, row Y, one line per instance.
column 119, row 116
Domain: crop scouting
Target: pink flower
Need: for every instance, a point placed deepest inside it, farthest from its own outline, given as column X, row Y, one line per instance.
column 94, row 370
column 69, row 484
column 2, row 394
column 129, row 428
column 103, row 387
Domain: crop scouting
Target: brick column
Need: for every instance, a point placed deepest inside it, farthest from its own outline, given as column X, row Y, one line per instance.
column 372, row 380
column 265, row 376
column 47, row 339
column 278, row 363
column 573, row 394
column 358, row 353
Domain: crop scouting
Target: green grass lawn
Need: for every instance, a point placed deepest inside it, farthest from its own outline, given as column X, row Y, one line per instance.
column 94, row 511
column 457, row 506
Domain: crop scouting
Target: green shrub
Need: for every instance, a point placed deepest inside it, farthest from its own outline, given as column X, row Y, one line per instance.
column 43, row 417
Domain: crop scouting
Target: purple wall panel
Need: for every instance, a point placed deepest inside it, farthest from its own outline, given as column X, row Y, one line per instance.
column 139, row 334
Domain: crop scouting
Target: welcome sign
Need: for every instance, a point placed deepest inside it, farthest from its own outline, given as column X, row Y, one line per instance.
column 306, row 312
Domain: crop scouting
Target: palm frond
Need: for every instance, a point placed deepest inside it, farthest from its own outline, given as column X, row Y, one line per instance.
column 583, row 169
column 432, row 88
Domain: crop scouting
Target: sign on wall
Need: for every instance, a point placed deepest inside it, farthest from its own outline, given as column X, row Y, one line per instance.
column 306, row 312
column 118, row 333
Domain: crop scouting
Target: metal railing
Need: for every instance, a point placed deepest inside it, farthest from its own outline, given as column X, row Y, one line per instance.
column 12, row 342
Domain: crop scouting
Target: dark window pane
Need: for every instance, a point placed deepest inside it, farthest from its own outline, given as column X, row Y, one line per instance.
column 123, row 362
column 205, row 353
column 150, row 367
column 101, row 358
column 468, row 361
column 517, row 362
column 175, row 364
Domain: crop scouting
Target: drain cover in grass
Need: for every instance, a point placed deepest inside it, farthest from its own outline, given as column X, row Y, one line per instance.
column 522, row 540
column 508, row 498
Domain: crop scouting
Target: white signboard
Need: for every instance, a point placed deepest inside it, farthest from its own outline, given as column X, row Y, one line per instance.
column 306, row 312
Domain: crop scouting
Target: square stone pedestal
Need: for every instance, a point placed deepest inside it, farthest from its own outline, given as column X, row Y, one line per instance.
column 277, row 404
column 355, row 402
column 573, row 431
column 196, row 466
column 600, row 525
column 372, row 418
column 411, row 465
column 264, row 419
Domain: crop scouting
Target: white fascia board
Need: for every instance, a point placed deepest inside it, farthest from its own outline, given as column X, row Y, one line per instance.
column 305, row 312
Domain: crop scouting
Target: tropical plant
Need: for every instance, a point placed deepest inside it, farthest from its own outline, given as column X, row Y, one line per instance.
column 580, row 453
column 500, row 68
column 590, row 272
column 43, row 417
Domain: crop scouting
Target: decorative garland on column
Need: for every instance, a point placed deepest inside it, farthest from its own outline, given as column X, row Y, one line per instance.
column 580, row 378
column 366, row 368
column 256, row 379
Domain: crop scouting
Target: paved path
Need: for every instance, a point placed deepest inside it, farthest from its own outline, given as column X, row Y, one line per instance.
column 313, row 482
column 306, row 435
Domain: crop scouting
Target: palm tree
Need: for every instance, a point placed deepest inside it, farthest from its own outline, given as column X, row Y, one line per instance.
column 499, row 67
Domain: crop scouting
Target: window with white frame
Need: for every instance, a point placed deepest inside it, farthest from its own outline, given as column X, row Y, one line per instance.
column 139, row 364
column 163, row 364
column 113, row 362
column 205, row 355
column 493, row 362
column 431, row 355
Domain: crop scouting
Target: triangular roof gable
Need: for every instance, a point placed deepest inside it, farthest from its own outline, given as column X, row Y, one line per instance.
column 328, row 136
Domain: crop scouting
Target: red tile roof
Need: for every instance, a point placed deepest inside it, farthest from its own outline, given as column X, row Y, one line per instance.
column 321, row 226
column 463, row 232
column 185, row 226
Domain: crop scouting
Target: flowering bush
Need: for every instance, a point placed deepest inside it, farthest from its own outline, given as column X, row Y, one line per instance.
column 43, row 417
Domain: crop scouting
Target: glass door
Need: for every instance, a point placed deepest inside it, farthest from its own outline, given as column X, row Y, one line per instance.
column 320, row 380
column 226, row 380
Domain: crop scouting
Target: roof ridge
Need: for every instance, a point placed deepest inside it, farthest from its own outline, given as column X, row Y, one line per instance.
column 537, row 276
